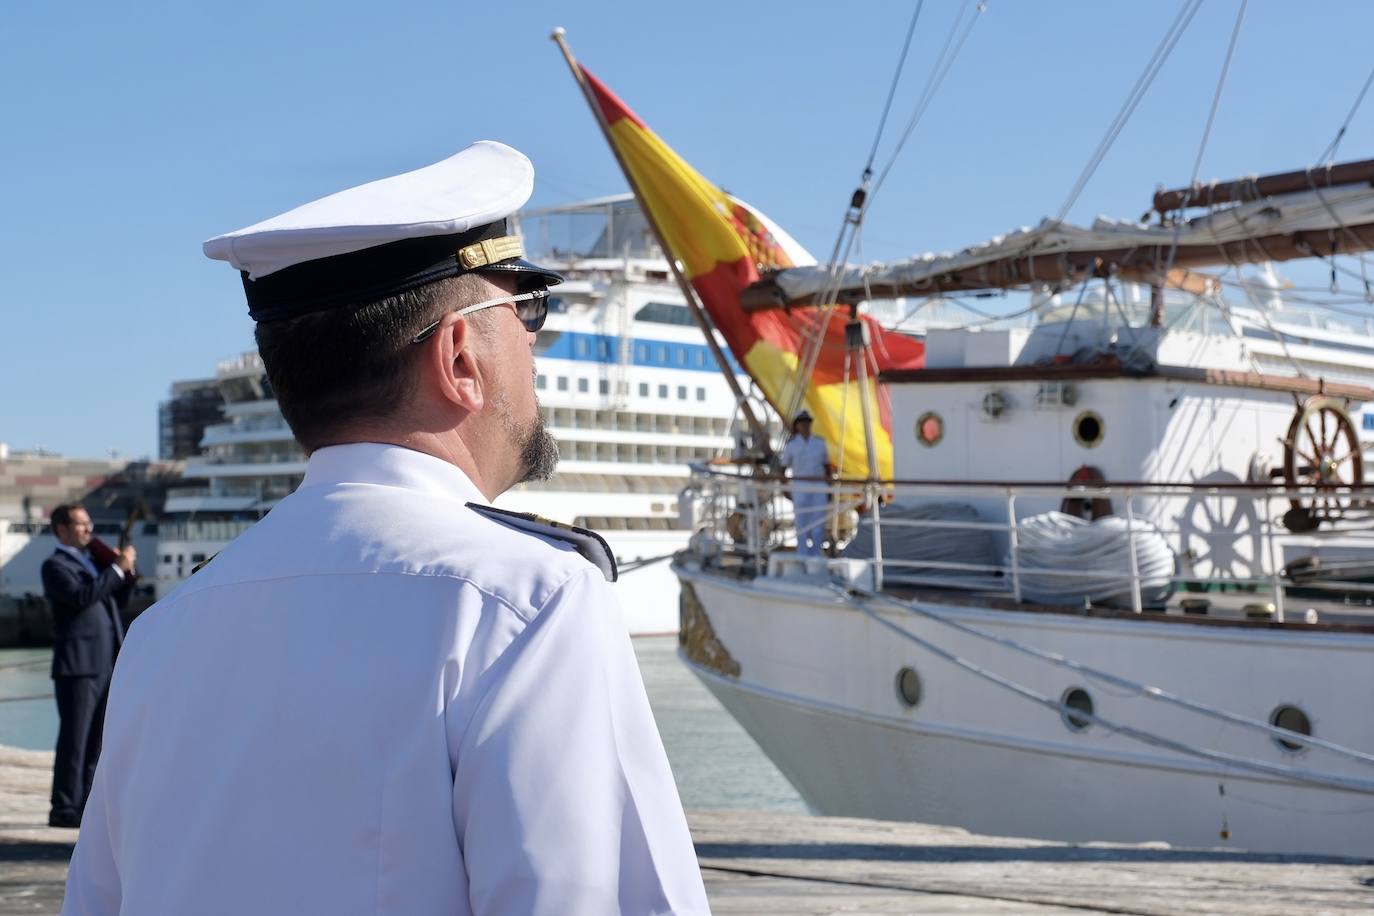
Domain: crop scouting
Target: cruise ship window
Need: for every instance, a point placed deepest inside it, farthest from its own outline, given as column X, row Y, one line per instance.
column 701, row 394
column 663, row 391
column 562, row 383
column 643, row 389
column 701, row 358
column 662, row 353
column 541, row 382
column 583, row 385
column 582, row 348
column 605, row 386
column 603, row 349
column 681, row 356
column 682, row 392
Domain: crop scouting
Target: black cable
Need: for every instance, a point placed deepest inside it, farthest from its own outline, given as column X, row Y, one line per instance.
column 892, row 91
column 1340, row 134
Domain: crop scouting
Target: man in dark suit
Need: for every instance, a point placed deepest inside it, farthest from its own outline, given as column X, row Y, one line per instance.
column 87, row 633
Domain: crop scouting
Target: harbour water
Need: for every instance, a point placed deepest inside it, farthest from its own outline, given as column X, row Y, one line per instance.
column 717, row 765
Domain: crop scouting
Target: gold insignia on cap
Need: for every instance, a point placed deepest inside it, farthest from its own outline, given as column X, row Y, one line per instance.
column 490, row 251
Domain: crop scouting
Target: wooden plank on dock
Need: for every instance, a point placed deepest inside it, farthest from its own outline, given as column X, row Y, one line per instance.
column 944, row 869
column 763, row 863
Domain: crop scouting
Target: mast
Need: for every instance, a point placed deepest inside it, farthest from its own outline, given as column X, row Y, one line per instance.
column 694, row 305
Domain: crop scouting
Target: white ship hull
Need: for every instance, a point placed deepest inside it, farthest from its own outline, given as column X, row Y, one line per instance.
column 973, row 755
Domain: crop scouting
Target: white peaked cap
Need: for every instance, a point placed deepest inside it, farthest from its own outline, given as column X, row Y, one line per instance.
column 409, row 228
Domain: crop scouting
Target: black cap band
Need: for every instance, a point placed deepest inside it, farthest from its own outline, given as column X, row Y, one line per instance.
column 359, row 277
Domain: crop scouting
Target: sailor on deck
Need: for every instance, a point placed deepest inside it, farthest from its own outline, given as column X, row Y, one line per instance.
column 387, row 697
column 808, row 456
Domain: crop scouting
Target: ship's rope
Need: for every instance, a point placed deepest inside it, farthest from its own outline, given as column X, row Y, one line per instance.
column 1206, row 135
column 1359, row 243
column 1216, row 96
column 36, row 696
column 852, row 224
column 1133, row 99
column 33, row 663
column 892, row 89
column 1147, row 691
column 643, row 562
column 1330, row 152
column 938, row 71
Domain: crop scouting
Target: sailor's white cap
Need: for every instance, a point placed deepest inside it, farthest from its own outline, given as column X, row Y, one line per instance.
column 387, row 236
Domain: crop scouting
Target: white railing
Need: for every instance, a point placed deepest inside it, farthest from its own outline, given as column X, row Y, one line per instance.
column 1219, row 534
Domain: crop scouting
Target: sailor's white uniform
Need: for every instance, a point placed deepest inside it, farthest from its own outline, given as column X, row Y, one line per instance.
column 378, row 700
column 808, row 456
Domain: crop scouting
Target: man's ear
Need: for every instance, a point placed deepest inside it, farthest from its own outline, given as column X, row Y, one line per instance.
column 451, row 362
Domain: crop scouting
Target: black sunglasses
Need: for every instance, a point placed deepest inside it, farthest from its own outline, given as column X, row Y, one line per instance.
column 531, row 308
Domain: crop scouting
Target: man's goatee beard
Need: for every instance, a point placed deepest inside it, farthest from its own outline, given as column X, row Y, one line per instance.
column 538, row 452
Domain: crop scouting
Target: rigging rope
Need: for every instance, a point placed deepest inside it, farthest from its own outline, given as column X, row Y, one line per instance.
column 34, row 663
column 1216, row 97
column 36, row 696
column 938, row 72
column 1133, row 99
column 863, row 198
column 642, row 562
column 892, row 90
column 1206, row 134
column 1281, row 771
column 1134, row 687
column 1330, row 152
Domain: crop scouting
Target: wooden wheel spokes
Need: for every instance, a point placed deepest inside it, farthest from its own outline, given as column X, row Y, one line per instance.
column 1322, row 453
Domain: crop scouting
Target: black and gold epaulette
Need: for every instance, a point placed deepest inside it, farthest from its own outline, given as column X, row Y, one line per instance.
column 588, row 543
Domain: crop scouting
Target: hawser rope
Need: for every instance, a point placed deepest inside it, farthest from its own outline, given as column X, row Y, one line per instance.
column 1294, row 774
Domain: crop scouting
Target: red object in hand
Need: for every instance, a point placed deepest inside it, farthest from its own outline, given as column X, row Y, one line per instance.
column 102, row 554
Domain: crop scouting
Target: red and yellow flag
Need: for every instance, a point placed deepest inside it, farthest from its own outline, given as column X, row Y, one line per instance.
column 722, row 246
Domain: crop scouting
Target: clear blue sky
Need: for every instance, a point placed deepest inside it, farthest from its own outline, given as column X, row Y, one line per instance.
column 133, row 131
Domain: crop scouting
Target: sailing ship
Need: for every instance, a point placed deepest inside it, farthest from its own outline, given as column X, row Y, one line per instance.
column 1103, row 578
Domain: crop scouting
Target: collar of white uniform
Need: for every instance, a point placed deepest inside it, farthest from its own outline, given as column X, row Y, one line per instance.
column 389, row 466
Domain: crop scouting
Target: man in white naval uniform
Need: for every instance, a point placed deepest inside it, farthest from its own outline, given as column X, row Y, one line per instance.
column 387, row 697
column 808, row 456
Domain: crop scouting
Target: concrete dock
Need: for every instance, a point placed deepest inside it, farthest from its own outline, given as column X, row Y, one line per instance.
column 809, row 866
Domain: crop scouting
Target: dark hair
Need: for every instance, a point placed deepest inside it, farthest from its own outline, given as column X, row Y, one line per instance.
column 62, row 515
column 332, row 368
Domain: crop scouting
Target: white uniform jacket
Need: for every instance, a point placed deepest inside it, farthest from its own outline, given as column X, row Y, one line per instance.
column 379, row 701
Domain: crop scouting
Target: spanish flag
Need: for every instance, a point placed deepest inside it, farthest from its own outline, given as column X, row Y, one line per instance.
column 722, row 246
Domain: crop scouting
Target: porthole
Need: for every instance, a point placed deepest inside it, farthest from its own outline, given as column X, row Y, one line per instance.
column 930, row 429
column 908, row 687
column 1077, row 698
column 1088, row 429
column 1293, row 719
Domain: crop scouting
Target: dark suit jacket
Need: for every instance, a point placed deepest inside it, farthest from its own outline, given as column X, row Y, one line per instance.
column 86, row 627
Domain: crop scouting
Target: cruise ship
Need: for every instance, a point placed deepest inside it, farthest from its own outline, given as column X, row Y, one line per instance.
column 626, row 384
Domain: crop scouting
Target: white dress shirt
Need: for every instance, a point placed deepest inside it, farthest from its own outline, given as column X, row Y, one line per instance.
column 378, row 701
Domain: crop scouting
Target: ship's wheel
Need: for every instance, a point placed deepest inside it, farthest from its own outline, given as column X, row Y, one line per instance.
column 1321, row 453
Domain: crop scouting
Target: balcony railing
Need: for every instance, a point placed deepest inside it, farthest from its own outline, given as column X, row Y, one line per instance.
column 1030, row 542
